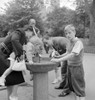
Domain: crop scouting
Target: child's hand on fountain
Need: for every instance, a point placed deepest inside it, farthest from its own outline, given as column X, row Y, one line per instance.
column 54, row 54
column 31, row 62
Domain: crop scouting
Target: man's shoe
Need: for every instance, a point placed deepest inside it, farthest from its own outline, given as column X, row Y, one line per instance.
column 58, row 87
column 63, row 94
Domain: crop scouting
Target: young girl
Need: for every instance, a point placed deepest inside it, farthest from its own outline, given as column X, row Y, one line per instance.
column 34, row 48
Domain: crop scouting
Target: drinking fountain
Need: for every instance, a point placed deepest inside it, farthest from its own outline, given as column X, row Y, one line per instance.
column 40, row 70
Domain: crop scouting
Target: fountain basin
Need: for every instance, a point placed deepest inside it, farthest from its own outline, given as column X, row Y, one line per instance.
column 44, row 65
column 41, row 67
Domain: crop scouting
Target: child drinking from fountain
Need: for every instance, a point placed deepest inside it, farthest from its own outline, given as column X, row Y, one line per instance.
column 34, row 48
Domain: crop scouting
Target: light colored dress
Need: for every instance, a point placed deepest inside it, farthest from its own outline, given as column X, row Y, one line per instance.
column 34, row 46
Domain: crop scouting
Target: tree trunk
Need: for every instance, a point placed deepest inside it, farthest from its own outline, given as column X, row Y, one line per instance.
column 91, row 13
column 92, row 31
column 92, row 24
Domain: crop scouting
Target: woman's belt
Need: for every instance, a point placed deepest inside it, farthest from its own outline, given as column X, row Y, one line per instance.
column 4, row 48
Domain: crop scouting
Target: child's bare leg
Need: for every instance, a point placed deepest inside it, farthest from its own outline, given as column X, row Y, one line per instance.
column 56, row 75
column 77, row 98
column 14, row 95
column 82, row 98
column 31, row 76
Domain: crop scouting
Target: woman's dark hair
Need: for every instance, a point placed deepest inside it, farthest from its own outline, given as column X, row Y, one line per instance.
column 46, row 47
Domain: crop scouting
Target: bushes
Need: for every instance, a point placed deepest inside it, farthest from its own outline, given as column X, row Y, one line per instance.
column 80, row 31
column 87, row 47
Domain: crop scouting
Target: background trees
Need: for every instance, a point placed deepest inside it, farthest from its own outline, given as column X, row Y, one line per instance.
column 52, row 20
column 58, row 18
column 89, row 8
column 18, row 12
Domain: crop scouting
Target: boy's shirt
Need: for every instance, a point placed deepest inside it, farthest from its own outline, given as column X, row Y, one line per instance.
column 77, row 48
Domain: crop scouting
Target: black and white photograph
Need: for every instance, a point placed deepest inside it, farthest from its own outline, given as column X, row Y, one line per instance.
column 47, row 49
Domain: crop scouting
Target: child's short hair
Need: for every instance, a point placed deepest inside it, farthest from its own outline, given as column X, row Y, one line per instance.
column 70, row 27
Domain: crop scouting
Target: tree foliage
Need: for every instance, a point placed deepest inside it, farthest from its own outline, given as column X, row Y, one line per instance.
column 90, row 10
column 18, row 13
column 62, row 16
column 58, row 19
column 81, row 21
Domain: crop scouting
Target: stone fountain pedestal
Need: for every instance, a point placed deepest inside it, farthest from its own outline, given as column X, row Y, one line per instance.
column 40, row 78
